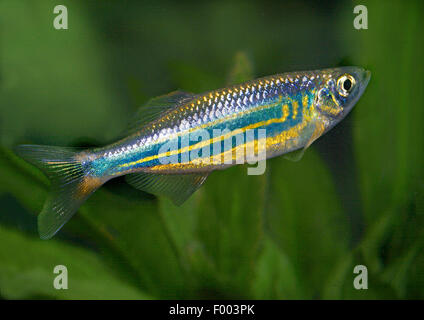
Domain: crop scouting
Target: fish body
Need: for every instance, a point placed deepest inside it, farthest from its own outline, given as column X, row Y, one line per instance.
column 181, row 137
column 282, row 105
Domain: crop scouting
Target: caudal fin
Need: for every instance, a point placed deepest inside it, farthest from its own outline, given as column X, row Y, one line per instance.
column 70, row 184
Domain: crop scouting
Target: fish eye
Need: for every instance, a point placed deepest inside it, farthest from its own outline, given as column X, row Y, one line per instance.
column 345, row 84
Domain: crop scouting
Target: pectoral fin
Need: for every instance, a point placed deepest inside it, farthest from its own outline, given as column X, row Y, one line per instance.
column 295, row 156
column 317, row 130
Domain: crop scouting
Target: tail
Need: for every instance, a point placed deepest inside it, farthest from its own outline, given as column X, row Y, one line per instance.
column 70, row 184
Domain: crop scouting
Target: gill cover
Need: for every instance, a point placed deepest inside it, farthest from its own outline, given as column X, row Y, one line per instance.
column 326, row 102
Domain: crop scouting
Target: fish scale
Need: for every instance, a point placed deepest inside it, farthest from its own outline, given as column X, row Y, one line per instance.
column 180, row 138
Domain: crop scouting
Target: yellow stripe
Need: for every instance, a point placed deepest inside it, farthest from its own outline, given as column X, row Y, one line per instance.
column 285, row 136
column 295, row 105
column 305, row 101
column 285, row 112
column 331, row 110
column 209, row 142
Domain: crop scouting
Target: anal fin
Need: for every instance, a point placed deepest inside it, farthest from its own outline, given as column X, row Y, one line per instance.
column 176, row 187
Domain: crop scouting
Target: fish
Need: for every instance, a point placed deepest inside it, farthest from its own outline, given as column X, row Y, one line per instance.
column 178, row 139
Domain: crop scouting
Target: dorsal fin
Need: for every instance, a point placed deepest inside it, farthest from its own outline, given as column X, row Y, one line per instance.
column 155, row 107
column 176, row 187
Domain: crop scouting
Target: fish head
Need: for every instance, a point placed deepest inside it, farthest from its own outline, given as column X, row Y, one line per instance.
column 338, row 90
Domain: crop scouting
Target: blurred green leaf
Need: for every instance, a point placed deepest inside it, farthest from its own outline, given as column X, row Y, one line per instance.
column 134, row 238
column 198, row 80
column 276, row 276
column 126, row 242
column 311, row 230
column 242, row 70
column 218, row 233
column 29, row 273
column 388, row 129
column 388, row 132
column 61, row 72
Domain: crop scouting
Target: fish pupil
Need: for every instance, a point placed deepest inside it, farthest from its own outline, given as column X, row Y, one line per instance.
column 347, row 84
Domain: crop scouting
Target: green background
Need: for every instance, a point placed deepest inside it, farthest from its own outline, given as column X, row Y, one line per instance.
column 356, row 197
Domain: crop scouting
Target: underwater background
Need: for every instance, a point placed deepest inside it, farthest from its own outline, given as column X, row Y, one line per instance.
column 296, row 232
